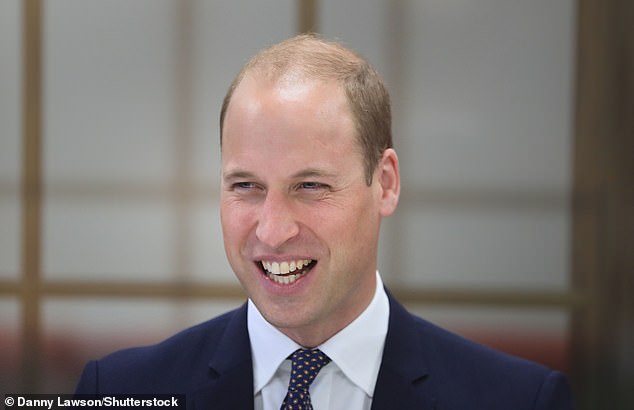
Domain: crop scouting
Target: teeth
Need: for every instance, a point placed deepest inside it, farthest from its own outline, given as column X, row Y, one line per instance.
column 281, row 272
column 284, row 280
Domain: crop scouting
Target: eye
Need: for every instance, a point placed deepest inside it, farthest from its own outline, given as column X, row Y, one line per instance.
column 312, row 186
column 244, row 186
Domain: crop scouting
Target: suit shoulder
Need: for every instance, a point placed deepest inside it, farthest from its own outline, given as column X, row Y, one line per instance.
column 486, row 376
column 449, row 344
column 183, row 357
column 205, row 334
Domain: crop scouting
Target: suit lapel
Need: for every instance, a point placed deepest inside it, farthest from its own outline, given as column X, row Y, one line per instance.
column 402, row 375
column 230, row 370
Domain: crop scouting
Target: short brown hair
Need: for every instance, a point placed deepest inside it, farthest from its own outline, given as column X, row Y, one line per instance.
column 320, row 59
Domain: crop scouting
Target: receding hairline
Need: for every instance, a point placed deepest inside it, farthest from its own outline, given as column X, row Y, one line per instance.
column 306, row 56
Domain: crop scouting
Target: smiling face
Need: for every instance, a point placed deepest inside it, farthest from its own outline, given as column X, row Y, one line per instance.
column 300, row 223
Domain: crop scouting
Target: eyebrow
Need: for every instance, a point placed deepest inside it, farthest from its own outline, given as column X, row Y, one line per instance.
column 237, row 174
column 314, row 173
column 304, row 173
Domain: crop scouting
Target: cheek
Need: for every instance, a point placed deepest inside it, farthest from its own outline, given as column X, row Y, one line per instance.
column 234, row 222
column 234, row 236
column 357, row 233
column 348, row 230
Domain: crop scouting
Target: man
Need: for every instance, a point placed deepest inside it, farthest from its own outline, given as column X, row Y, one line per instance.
column 308, row 173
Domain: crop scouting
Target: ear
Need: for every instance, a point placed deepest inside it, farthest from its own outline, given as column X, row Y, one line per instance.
column 389, row 179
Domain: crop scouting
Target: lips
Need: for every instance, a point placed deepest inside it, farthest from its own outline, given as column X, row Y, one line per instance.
column 287, row 272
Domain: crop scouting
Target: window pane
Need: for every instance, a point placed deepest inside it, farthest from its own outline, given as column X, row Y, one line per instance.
column 10, row 130
column 486, row 99
column 109, row 106
column 482, row 248
column 108, row 239
column 207, row 256
column 9, row 235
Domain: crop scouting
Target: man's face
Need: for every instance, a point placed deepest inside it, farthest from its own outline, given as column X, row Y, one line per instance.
column 300, row 224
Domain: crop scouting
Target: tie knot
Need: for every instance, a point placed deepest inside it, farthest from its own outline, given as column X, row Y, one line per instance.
column 305, row 364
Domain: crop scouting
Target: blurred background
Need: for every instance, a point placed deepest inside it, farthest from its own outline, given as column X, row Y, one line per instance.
column 513, row 120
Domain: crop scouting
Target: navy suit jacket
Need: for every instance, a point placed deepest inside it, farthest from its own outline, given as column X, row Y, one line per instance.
column 424, row 367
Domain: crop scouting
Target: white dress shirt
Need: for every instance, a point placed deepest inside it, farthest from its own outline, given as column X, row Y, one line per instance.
column 347, row 382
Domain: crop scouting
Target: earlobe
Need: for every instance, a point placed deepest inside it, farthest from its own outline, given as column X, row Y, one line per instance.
column 390, row 180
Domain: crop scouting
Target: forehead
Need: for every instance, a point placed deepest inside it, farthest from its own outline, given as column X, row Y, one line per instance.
column 290, row 121
column 288, row 108
column 293, row 89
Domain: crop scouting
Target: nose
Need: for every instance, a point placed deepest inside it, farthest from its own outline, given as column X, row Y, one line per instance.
column 276, row 224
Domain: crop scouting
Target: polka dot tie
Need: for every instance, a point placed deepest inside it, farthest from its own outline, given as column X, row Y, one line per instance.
column 305, row 364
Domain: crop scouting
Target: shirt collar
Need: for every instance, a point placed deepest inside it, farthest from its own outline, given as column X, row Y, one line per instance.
column 357, row 349
column 269, row 347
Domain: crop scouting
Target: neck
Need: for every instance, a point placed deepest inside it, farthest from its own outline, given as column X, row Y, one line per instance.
column 316, row 334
